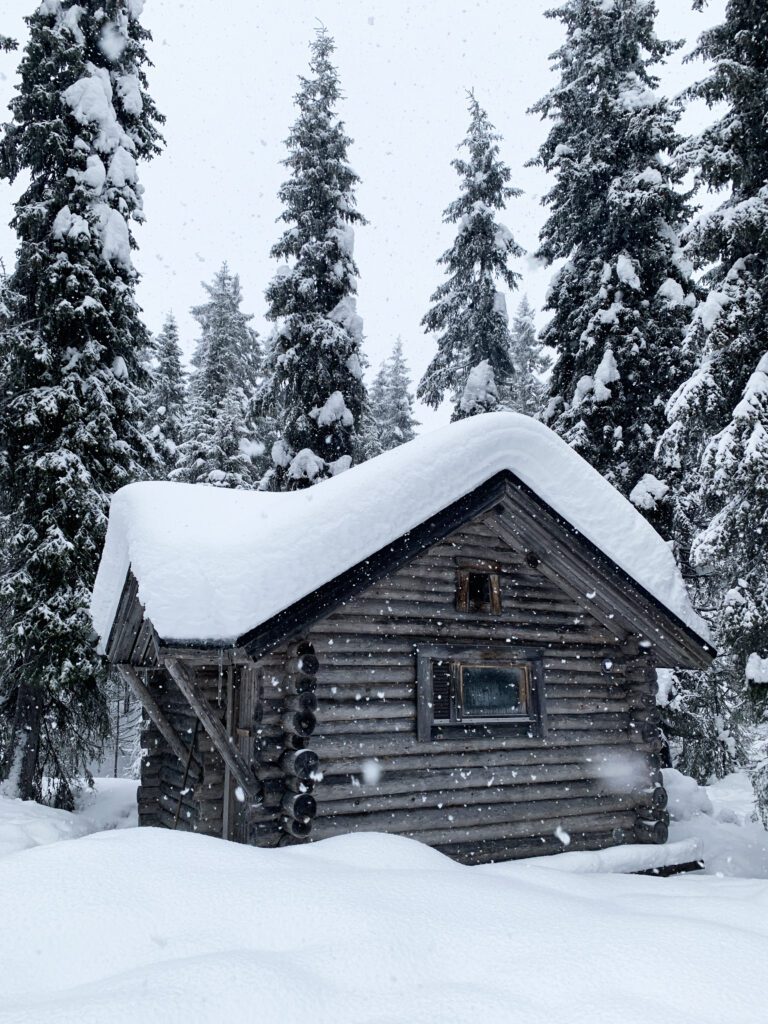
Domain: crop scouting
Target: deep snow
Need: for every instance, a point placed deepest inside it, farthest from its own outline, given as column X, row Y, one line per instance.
column 150, row 925
column 146, row 924
column 213, row 563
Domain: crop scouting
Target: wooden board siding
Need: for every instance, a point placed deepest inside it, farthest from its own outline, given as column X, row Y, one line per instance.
column 477, row 795
column 166, row 797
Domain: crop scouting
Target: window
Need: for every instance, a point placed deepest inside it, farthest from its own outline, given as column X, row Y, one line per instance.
column 478, row 591
column 479, row 690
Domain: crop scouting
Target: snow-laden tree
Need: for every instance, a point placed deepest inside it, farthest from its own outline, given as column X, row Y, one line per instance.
column 218, row 439
column 527, row 391
column 623, row 298
column 71, row 404
column 713, row 455
column 473, row 363
column 391, row 402
column 313, row 386
column 166, row 402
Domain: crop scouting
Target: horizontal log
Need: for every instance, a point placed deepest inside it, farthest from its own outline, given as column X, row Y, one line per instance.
column 405, row 757
column 333, row 644
column 448, row 630
column 343, row 787
column 300, row 763
column 490, row 851
column 512, row 793
column 299, row 723
column 514, row 612
column 651, row 832
column 506, row 830
column 293, row 827
column 301, row 702
column 301, row 806
column 384, row 745
column 419, row 819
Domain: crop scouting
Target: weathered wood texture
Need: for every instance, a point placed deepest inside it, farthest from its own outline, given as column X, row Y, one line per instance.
column 166, row 797
column 476, row 794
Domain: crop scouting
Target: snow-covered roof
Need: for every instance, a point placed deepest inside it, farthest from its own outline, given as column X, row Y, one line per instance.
column 212, row 564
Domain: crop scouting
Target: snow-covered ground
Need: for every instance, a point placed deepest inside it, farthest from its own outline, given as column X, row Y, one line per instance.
column 110, row 804
column 134, row 925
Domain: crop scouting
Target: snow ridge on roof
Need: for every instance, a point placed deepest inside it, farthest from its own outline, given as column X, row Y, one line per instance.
column 212, row 564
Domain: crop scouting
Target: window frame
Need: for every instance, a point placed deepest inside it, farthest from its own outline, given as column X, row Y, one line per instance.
column 532, row 723
column 492, row 570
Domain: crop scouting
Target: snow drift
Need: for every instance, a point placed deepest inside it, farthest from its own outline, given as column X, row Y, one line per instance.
column 153, row 925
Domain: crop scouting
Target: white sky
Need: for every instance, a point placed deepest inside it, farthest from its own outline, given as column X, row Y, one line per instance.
column 225, row 77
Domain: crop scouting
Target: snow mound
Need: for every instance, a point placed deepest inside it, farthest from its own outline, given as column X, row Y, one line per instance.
column 721, row 819
column 25, row 824
column 212, row 564
column 626, row 859
column 149, row 924
column 686, row 796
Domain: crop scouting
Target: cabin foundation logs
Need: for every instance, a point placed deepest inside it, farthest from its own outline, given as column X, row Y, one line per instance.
column 299, row 764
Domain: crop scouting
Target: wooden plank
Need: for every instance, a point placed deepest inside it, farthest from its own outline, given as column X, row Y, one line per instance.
column 216, row 732
column 489, row 851
column 228, row 793
column 403, row 782
column 418, row 801
column 603, row 821
column 164, row 727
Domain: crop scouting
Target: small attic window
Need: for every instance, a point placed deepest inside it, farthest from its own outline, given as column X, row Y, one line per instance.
column 478, row 590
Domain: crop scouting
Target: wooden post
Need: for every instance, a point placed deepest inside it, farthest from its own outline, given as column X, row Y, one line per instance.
column 164, row 727
column 227, row 806
column 216, row 731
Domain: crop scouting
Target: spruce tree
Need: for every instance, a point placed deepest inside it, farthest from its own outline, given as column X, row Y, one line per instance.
column 473, row 363
column 218, row 437
column 391, row 402
column 166, row 402
column 527, row 390
column 313, row 371
column 713, row 455
column 623, row 298
column 71, row 402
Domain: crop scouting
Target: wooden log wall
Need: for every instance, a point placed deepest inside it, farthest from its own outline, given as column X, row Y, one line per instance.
column 172, row 794
column 479, row 796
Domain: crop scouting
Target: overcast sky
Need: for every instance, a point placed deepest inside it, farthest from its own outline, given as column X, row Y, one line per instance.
column 225, row 77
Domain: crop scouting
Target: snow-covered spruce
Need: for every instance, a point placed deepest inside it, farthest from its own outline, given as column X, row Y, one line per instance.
column 71, row 403
column 219, row 445
column 714, row 453
column 390, row 405
column 527, row 390
column 623, row 298
column 167, row 397
column 313, row 389
column 473, row 363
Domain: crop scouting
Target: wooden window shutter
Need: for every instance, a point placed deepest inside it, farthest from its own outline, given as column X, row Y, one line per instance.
column 462, row 591
column 441, row 691
column 495, row 586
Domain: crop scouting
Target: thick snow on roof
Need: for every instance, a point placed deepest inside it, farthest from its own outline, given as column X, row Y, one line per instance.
column 212, row 564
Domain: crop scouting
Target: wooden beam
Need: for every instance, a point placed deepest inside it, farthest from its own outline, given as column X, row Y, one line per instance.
column 224, row 746
column 164, row 727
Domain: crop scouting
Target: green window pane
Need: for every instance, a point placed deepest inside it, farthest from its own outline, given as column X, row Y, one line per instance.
column 493, row 691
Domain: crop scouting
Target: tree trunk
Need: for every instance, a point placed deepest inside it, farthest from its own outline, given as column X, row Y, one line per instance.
column 19, row 765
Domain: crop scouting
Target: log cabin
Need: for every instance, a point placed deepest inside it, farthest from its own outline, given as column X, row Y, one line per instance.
column 456, row 641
